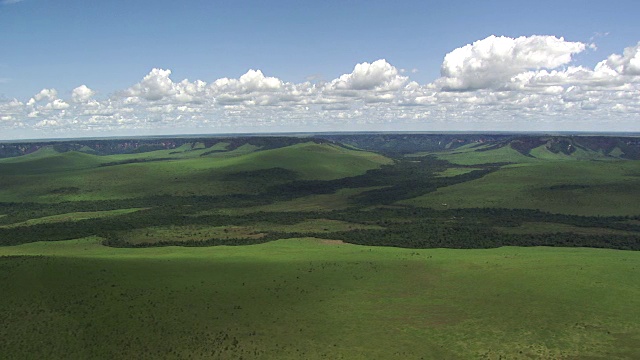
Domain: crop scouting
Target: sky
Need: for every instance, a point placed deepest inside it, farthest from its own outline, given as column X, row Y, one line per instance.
column 77, row 68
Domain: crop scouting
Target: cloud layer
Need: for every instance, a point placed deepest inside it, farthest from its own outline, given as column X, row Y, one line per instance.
column 497, row 83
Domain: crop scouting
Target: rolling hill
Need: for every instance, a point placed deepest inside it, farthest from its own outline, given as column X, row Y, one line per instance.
column 51, row 176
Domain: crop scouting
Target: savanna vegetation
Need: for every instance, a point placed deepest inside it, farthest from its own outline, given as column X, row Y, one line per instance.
column 345, row 247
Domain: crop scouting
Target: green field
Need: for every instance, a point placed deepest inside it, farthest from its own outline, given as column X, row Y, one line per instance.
column 573, row 187
column 49, row 176
column 488, row 250
column 308, row 298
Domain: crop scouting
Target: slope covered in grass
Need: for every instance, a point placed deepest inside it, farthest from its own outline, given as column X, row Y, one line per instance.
column 315, row 299
column 313, row 161
column 79, row 176
column 572, row 187
column 517, row 152
column 46, row 161
column 472, row 156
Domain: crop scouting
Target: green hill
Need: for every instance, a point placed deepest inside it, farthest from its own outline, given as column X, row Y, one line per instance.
column 51, row 176
column 46, row 161
column 517, row 151
column 312, row 161
column 565, row 185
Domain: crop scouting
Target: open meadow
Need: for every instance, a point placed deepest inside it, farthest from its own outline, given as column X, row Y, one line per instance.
column 424, row 247
column 312, row 298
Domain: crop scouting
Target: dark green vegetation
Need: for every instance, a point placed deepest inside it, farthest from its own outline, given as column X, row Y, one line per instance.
column 89, row 232
column 252, row 190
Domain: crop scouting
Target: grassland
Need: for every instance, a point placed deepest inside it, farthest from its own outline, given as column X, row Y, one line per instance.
column 454, row 171
column 48, row 176
column 572, row 187
column 472, row 156
column 313, row 299
column 303, row 289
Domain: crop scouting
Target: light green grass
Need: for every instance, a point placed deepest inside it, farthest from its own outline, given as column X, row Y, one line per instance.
column 600, row 188
column 541, row 152
column 314, row 161
column 616, row 152
column 185, row 151
column 221, row 146
column 86, row 149
column 312, row 299
column 49, row 162
column 77, row 176
column 470, row 156
column 506, row 154
column 75, row 216
column 453, row 171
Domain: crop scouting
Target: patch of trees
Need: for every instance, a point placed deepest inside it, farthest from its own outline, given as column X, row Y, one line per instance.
column 401, row 227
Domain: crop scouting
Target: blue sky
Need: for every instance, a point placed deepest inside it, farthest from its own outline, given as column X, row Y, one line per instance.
column 110, row 46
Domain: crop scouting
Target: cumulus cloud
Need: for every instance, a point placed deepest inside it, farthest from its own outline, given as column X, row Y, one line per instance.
column 491, row 62
column 251, row 81
column 82, row 94
column 626, row 64
column 495, row 83
column 379, row 75
column 154, row 86
column 56, row 104
column 44, row 94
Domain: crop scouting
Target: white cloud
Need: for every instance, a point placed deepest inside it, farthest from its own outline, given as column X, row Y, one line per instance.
column 626, row 64
column 378, row 76
column 82, row 94
column 251, row 81
column 491, row 62
column 44, row 94
column 502, row 83
column 56, row 104
column 154, row 86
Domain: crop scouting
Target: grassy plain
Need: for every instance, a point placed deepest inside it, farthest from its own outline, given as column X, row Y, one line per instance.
column 317, row 297
column 572, row 187
column 312, row 299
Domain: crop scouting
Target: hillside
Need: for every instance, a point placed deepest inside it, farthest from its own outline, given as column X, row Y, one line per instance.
column 572, row 175
column 51, row 176
column 625, row 147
